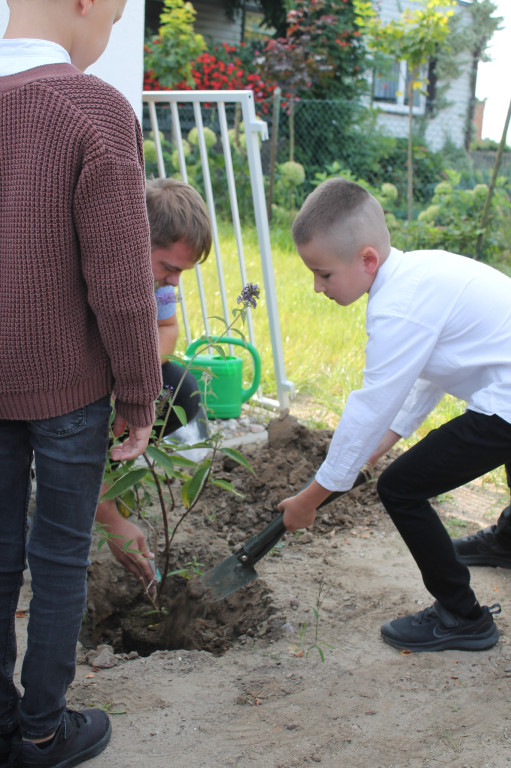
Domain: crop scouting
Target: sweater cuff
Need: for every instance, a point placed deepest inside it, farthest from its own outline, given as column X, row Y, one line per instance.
column 136, row 415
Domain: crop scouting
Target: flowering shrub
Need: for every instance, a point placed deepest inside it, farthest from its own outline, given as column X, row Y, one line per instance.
column 220, row 68
column 167, row 57
column 327, row 30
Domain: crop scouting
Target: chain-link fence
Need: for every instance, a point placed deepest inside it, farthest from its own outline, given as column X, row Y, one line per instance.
column 327, row 137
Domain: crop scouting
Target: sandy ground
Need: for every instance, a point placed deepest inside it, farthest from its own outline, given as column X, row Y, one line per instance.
column 268, row 702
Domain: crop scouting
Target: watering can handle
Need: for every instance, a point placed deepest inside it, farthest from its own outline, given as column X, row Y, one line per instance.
column 247, row 392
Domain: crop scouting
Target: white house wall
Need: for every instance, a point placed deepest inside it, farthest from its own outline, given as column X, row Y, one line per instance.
column 449, row 124
column 122, row 64
column 212, row 22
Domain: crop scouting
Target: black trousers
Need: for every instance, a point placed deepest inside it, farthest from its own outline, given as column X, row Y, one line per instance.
column 188, row 396
column 502, row 530
column 452, row 455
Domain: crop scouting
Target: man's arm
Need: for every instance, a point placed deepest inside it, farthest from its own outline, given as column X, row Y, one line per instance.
column 168, row 331
column 137, row 559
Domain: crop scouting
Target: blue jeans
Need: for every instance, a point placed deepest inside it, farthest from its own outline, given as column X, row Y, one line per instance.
column 70, row 454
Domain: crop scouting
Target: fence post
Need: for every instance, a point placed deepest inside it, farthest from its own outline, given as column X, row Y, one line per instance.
column 273, row 148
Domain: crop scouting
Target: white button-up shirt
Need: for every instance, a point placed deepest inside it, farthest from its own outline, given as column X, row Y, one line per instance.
column 22, row 53
column 436, row 323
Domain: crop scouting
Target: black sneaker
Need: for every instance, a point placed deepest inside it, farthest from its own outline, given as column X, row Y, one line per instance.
column 482, row 548
column 80, row 736
column 436, row 629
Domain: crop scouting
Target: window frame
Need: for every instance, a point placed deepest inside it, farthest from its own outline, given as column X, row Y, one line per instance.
column 400, row 106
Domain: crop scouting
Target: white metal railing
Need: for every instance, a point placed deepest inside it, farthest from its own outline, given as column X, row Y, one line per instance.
column 255, row 129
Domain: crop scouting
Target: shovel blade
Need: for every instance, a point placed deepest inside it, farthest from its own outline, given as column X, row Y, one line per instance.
column 228, row 577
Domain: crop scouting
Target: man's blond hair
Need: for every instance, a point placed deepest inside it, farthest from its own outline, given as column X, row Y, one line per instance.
column 343, row 210
column 176, row 211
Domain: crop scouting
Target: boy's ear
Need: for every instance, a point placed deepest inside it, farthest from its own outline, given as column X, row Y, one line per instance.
column 84, row 6
column 370, row 259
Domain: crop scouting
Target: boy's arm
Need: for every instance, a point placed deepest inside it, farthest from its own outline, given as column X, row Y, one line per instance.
column 300, row 510
column 111, row 221
column 396, row 354
column 389, row 439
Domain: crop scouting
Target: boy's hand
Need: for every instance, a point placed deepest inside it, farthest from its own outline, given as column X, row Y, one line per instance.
column 136, row 443
column 297, row 513
column 300, row 510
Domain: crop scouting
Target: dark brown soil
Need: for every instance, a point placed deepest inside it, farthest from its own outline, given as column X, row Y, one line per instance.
column 119, row 613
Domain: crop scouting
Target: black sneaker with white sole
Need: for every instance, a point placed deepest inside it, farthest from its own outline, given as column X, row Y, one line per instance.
column 436, row 629
column 79, row 737
column 482, row 548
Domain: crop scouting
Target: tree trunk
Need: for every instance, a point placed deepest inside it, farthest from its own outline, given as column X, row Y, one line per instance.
column 409, row 162
column 469, row 125
column 493, row 182
column 292, row 129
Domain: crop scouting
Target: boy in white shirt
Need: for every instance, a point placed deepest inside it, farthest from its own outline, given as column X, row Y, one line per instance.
column 436, row 323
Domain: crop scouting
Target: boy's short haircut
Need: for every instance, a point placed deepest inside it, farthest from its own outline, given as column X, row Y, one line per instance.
column 176, row 211
column 329, row 206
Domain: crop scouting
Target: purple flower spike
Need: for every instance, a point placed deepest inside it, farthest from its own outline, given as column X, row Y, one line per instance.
column 249, row 294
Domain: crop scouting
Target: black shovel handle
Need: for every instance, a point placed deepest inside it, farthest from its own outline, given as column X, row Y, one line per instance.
column 260, row 544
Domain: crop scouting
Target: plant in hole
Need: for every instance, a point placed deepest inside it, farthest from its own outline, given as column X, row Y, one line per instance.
column 134, row 486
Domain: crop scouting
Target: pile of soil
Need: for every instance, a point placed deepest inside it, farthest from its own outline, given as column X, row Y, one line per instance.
column 118, row 612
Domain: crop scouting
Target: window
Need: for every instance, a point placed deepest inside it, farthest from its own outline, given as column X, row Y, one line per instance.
column 390, row 89
column 253, row 31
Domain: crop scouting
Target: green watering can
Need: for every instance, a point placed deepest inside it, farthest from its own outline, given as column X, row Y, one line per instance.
column 225, row 393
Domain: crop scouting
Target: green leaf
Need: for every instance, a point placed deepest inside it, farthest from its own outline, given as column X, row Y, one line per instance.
column 227, row 486
column 182, row 461
column 161, row 457
column 181, row 414
column 194, row 485
column 203, row 444
column 126, row 481
column 217, row 317
column 238, row 457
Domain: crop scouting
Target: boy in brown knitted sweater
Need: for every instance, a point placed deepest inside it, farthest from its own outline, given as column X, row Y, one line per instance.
column 77, row 321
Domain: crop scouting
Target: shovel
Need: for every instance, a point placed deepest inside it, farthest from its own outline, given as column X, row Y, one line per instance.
column 238, row 570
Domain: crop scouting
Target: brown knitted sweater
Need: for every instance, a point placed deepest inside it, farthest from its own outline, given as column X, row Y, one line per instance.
column 77, row 307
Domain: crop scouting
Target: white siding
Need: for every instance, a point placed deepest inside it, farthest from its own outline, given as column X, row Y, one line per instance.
column 212, row 22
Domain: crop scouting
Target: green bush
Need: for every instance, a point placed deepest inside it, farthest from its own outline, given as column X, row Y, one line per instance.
column 168, row 56
column 452, row 221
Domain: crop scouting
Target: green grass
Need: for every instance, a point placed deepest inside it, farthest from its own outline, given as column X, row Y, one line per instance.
column 456, row 528
column 323, row 343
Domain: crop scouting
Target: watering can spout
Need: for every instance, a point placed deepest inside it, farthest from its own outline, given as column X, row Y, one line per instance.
column 224, row 394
